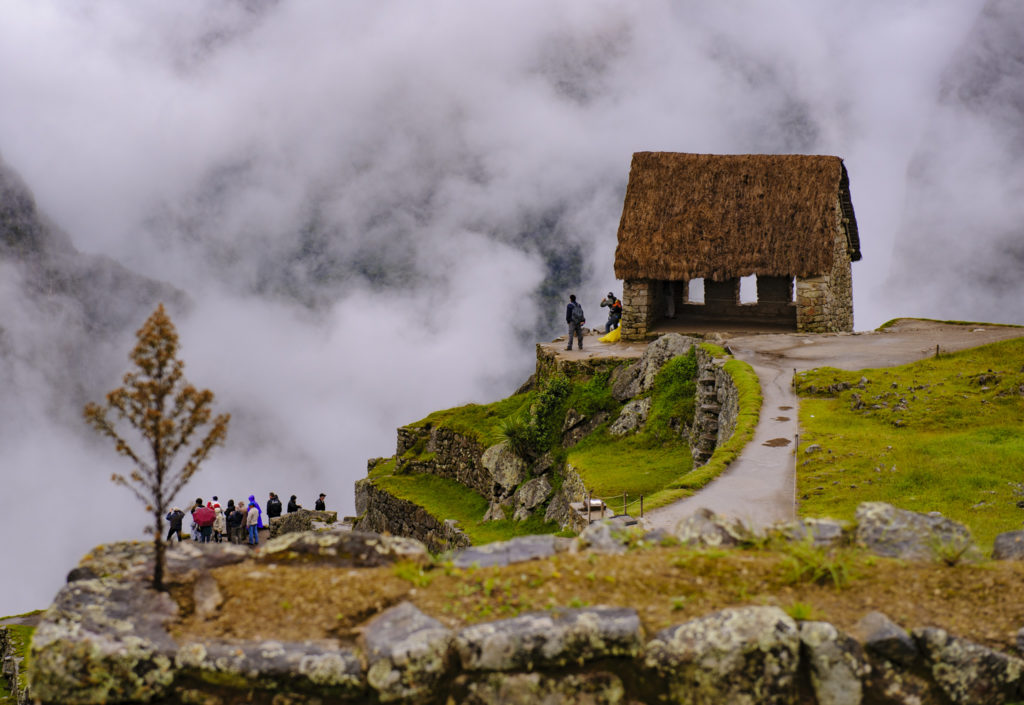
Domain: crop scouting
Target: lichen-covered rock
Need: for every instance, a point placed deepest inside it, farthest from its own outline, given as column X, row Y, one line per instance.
column 632, row 417
column 495, row 512
column 546, row 639
column 705, row 528
column 836, row 662
column 598, row 688
column 881, row 636
column 517, row 550
column 103, row 641
column 207, row 596
column 970, row 673
column 271, row 664
column 820, row 532
column 533, row 493
column 407, row 653
column 639, row 377
column 506, row 468
column 560, row 511
column 577, row 426
column 188, row 559
column 1009, row 546
column 605, row 536
column 898, row 533
column 746, row 656
column 301, row 520
column 343, row 548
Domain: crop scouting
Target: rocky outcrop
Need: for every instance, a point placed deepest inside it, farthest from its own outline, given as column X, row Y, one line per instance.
column 898, row 533
column 632, row 417
column 106, row 639
column 301, row 520
column 628, row 382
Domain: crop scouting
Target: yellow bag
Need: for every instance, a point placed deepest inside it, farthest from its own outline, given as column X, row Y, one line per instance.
column 612, row 337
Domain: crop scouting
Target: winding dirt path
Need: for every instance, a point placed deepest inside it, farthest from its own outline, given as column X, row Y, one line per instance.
column 760, row 485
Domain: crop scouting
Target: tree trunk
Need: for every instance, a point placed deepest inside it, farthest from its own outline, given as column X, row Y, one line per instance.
column 158, row 552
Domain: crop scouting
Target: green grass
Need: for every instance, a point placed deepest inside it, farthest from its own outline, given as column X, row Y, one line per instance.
column 894, row 321
column 479, row 421
column 947, row 437
column 446, row 499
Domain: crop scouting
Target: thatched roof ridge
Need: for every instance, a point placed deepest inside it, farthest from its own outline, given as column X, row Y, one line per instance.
column 720, row 216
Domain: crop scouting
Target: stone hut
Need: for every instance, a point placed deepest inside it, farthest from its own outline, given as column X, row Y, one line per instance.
column 786, row 219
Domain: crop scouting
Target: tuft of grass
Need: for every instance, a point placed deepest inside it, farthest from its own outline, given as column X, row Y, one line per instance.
column 804, row 562
column 412, row 572
column 935, row 435
column 803, row 612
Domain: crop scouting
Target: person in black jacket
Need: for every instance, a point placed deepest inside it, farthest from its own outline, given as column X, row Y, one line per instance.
column 320, row 505
column 175, row 516
column 293, row 506
column 235, row 518
column 273, row 506
column 575, row 319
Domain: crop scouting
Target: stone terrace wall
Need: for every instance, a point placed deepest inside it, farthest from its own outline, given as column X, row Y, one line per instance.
column 717, row 407
column 454, row 456
column 380, row 512
column 550, row 365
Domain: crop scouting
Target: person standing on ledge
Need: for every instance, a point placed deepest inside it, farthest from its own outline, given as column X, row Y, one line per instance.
column 575, row 319
column 320, row 505
column 614, row 312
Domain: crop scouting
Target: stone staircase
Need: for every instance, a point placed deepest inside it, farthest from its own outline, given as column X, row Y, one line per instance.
column 705, row 426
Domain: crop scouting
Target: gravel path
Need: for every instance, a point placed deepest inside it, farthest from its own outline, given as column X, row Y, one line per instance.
column 760, row 485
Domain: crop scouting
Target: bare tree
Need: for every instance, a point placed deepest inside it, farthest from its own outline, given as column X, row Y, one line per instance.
column 167, row 412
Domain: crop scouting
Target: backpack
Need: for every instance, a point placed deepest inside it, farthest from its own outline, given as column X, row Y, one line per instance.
column 617, row 307
column 577, row 313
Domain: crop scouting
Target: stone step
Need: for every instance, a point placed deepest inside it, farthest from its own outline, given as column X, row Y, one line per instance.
column 711, row 408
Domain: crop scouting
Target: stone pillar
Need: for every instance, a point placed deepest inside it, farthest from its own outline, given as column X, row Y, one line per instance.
column 824, row 304
column 639, row 307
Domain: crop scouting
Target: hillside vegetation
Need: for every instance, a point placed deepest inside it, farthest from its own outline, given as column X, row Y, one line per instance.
column 942, row 434
column 654, row 461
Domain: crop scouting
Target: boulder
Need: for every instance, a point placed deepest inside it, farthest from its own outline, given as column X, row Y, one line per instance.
column 533, row 493
column 507, row 470
column 541, row 640
column 521, row 548
column 970, row 673
column 627, row 382
column 740, row 655
column 822, row 533
column 897, row 533
column 577, row 426
column 407, row 653
column 1009, row 546
column 836, row 663
column 266, row 664
column 594, row 688
column 495, row 512
column 881, row 636
column 343, row 548
column 632, row 417
column 301, row 520
column 705, row 528
column 109, row 627
column 207, row 596
column 560, row 511
column 606, row 536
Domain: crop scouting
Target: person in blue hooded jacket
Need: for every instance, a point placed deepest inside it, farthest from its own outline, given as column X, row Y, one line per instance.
column 259, row 515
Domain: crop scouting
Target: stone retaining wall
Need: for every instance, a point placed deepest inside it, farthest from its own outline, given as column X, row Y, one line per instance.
column 381, row 512
column 717, row 407
column 11, row 666
column 550, row 365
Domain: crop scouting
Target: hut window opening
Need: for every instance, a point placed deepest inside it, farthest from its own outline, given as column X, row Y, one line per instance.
column 695, row 292
column 748, row 289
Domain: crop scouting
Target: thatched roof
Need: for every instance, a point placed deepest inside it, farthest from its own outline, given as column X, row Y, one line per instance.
column 721, row 216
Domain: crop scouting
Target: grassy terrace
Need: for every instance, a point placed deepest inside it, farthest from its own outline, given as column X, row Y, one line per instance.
column 654, row 462
column 20, row 636
column 943, row 434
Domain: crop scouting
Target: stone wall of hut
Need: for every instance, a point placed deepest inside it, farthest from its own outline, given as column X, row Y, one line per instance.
column 824, row 304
